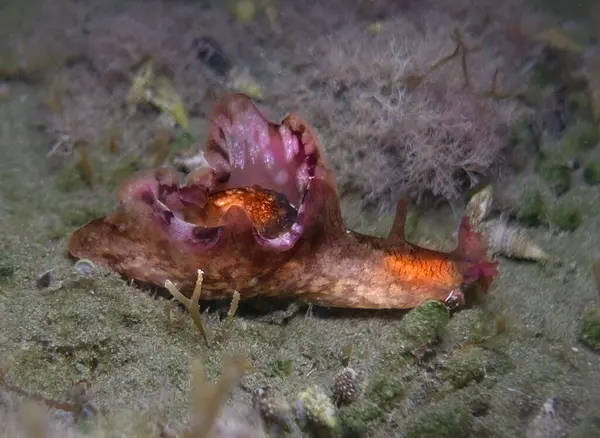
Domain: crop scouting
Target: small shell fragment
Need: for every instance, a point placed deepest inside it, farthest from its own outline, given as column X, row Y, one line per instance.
column 511, row 241
column 480, row 205
column 85, row 267
column 502, row 238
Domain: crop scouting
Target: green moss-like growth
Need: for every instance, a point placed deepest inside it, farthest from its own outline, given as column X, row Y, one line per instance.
column 590, row 327
column 580, row 137
column 558, row 177
column 470, row 325
column 73, row 217
column 69, row 180
column 532, row 211
column 280, row 367
column 7, row 268
column 384, row 391
column 319, row 411
column 522, row 133
column 381, row 396
column 357, row 419
column 37, row 371
column 56, row 232
column 591, row 174
column 578, row 106
column 566, row 216
column 422, row 324
column 182, row 141
column 473, row 363
column 445, row 420
column 542, row 75
column 122, row 171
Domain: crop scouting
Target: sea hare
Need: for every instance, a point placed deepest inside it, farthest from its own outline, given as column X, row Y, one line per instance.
column 264, row 218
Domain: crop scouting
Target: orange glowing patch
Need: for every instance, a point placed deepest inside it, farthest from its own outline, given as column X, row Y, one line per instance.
column 415, row 267
column 269, row 211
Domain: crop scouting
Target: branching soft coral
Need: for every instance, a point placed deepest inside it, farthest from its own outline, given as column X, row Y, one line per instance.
column 390, row 135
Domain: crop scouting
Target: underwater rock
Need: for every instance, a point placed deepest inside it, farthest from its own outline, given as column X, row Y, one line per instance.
column 421, row 325
column 472, row 364
column 44, row 280
column 316, row 408
column 471, row 325
column 210, row 52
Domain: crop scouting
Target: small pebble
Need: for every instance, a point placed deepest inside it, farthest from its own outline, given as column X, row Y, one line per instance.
column 44, row 280
column 212, row 54
column 4, row 91
column 573, row 164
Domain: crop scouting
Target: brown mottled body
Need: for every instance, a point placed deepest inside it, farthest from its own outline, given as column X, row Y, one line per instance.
column 329, row 265
column 349, row 273
column 265, row 220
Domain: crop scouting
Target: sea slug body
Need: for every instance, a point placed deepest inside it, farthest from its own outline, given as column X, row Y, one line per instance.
column 264, row 219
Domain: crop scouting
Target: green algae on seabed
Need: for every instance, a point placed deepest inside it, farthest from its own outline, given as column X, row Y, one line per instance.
column 591, row 173
column 472, row 364
column 566, row 215
column 446, row 419
column 578, row 106
column 581, row 136
column 387, row 384
column 7, row 267
column 558, row 177
column 122, row 342
column 590, row 327
column 532, row 210
column 470, row 325
column 384, row 391
column 422, row 324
